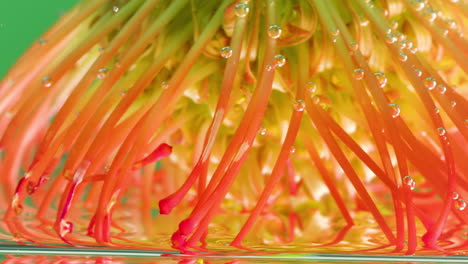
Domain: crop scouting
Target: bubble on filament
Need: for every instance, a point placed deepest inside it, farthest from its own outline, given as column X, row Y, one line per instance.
column 241, row 10
column 409, row 181
column 274, row 31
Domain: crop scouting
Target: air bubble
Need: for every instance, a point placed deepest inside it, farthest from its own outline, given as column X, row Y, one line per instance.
column 334, row 31
column 42, row 41
column 364, row 21
column 436, row 110
column 409, row 181
column 241, row 10
column 280, row 60
column 164, row 85
column 453, row 104
column 102, row 73
column 455, row 196
column 391, row 38
column 401, row 44
column 292, row 150
column 381, row 78
column 430, row 14
column 450, row 23
column 395, row 110
column 413, row 50
column 408, row 43
column 299, row 105
column 402, row 56
column 393, row 24
column 441, row 88
column 274, row 31
column 353, row 45
column 311, row 87
column 226, row 52
column 430, row 83
column 385, row 13
column 441, row 131
column 460, row 204
column 418, row 5
column 400, row 36
column 268, row 68
column 358, row 74
column 262, row 131
column 115, row 9
column 46, row 82
column 418, row 72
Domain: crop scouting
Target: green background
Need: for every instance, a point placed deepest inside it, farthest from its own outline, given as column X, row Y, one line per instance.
column 22, row 22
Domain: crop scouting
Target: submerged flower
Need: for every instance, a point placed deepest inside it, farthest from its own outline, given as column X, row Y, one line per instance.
column 311, row 125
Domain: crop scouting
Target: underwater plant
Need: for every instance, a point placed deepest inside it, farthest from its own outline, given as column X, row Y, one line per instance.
column 268, row 125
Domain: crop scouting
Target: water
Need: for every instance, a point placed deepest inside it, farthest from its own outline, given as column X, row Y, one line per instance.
column 25, row 254
column 315, row 236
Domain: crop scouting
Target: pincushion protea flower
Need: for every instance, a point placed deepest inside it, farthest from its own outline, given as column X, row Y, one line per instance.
column 288, row 125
